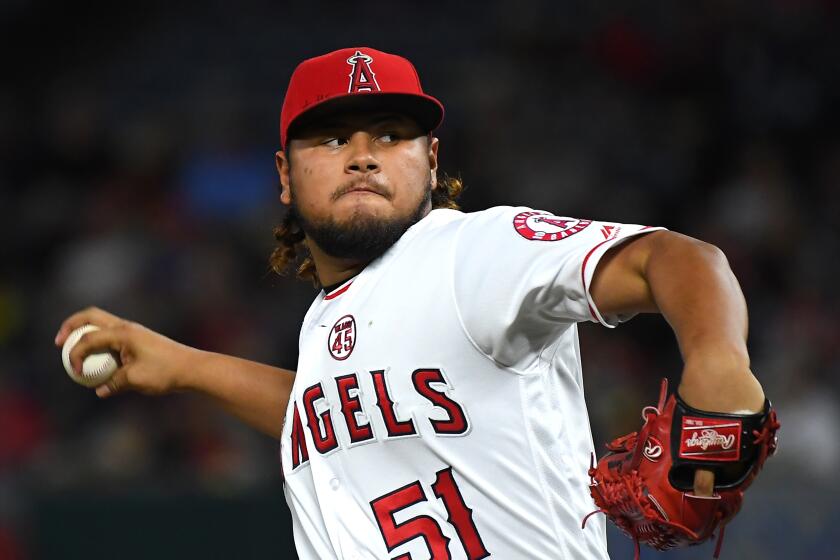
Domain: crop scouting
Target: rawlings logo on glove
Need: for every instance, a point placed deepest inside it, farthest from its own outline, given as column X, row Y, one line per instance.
column 712, row 443
column 653, row 449
column 652, row 500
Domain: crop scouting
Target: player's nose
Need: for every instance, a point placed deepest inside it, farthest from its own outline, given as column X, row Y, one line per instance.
column 361, row 158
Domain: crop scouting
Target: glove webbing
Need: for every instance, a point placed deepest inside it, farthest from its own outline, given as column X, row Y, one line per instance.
column 626, row 493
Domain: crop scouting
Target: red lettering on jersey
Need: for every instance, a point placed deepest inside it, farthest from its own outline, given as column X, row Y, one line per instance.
column 323, row 443
column 362, row 77
column 350, row 405
column 457, row 422
column 395, row 534
column 460, row 515
column 394, row 426
column 299, row 452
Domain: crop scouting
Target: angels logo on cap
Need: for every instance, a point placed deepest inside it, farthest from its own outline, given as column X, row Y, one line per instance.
column 362, row 78
column 324, row 84
column 543, row 226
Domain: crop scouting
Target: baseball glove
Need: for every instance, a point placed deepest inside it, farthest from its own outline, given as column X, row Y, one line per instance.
column 644, row 484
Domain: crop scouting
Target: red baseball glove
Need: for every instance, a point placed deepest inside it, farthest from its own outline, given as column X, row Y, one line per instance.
column 645, row 483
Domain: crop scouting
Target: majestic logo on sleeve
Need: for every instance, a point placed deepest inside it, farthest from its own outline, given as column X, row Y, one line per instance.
column 709, row 440
column 342, row 338
column 362, row 77
column 543, row 226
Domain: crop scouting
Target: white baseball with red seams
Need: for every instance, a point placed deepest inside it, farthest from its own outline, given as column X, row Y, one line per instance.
column 438, row 408
column 97, row 368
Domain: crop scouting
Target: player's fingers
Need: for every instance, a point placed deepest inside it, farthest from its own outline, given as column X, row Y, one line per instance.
column 704, row 482
column 116, row 384
column 91, row 315
column 96, row 341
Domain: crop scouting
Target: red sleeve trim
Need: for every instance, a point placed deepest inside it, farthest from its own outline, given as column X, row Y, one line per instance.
column 583, row 271
column 583, row 276
column 338, row 292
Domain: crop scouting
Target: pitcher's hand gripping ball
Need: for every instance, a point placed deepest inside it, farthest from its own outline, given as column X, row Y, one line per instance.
column 96, row 368
column 644, row 484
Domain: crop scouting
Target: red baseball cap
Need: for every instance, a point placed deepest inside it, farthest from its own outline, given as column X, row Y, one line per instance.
column 354, row 78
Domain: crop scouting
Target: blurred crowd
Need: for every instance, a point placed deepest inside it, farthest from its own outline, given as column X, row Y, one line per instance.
column 137, row 174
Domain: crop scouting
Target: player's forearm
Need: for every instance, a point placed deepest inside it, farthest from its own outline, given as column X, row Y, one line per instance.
column 255, row 393
column 697, row 293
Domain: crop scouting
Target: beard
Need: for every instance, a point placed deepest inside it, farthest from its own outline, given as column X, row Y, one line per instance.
column 363, row 237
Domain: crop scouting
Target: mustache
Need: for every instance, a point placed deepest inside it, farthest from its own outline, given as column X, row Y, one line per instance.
column 367, row 183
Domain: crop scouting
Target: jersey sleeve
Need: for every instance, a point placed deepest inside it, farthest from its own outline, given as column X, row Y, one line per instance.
column 522, row 276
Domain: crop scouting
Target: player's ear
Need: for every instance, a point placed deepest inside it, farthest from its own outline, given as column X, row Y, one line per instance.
column 433, row 159
column 282, row 162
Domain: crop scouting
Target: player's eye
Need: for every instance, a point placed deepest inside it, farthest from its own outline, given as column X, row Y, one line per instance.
column 388, row 137
column 334, row 142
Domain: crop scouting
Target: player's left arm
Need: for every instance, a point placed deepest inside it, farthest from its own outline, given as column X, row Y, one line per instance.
column 691, row 284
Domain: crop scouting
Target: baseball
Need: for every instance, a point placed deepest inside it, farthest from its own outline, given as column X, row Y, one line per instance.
column 96, row 368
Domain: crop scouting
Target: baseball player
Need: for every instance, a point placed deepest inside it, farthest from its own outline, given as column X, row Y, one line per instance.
column 437, row 410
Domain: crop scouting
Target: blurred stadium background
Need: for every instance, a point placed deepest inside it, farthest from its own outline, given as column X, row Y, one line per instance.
column 137, row 174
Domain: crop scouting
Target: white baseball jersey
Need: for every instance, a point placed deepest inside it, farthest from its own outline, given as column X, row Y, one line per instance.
column 438, row 408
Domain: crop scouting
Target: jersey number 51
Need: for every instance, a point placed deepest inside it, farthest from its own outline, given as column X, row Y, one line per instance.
column 458, row 515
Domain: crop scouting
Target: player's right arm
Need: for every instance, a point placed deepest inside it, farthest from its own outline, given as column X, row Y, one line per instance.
column 153, row 364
